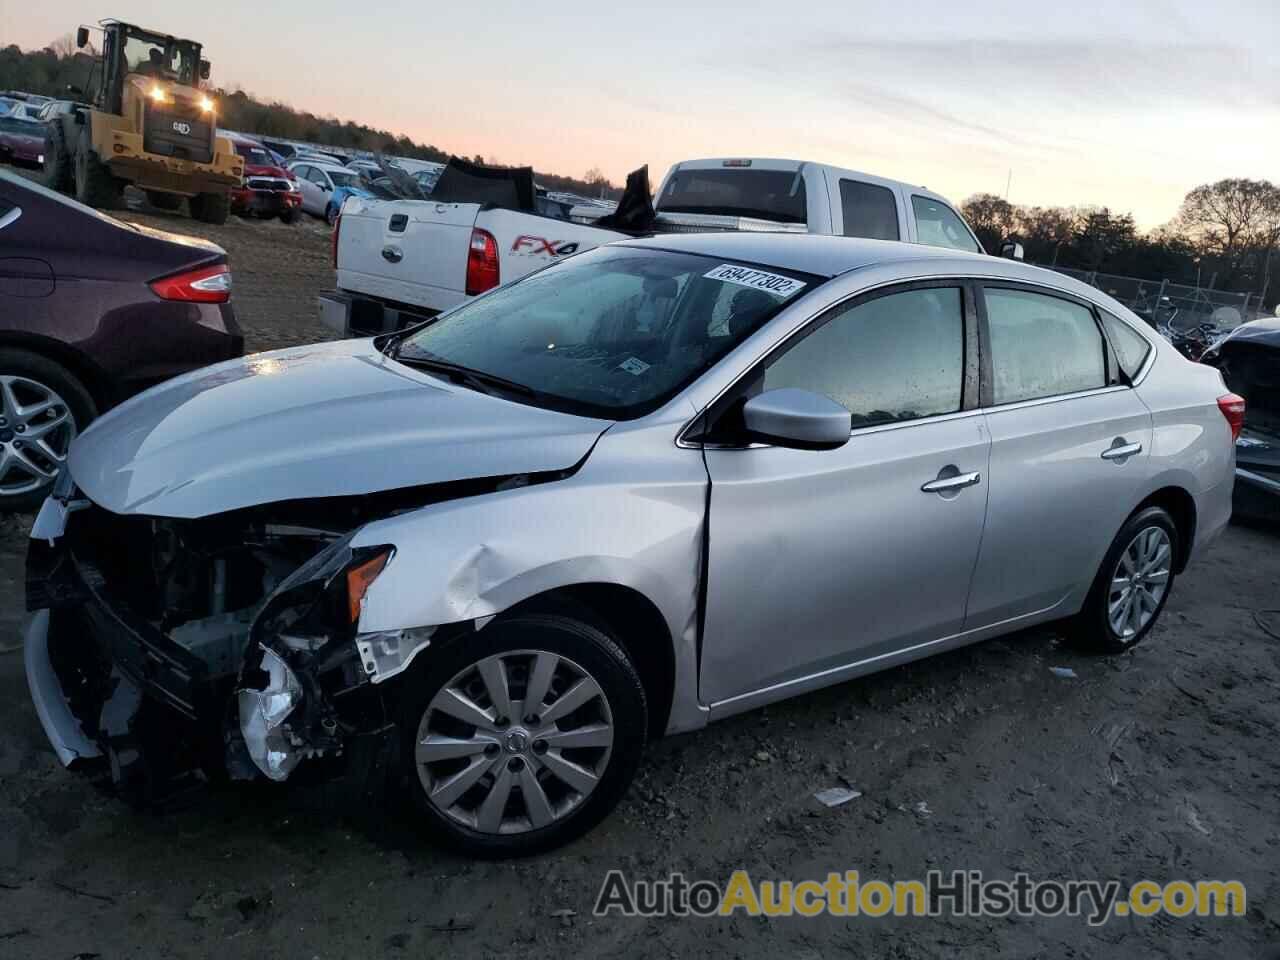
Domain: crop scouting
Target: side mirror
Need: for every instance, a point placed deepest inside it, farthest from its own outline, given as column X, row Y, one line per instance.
column 205, row 67
column 82, row 37
column 796, row 418
column 1011, row 250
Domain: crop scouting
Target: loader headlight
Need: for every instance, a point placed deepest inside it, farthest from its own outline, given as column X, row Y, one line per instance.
column 158, row 95
column 206, row 104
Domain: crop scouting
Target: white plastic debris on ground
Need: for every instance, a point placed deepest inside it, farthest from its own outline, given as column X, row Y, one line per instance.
column 834, row 796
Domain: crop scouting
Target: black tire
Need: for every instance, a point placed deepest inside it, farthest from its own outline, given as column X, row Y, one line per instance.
column 289, row 216
column 57, row 159
column 587, row 647
column 1091, row 629
column 95, row 186
column 33, row 366
column 210, row 207
column 164, row 201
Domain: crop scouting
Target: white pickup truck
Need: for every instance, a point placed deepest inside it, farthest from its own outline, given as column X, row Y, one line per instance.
column 399, row 262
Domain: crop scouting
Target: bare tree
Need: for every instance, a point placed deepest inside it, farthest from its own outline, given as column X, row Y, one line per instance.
column 1232, row 219
column 992, row 218
column 64, row 46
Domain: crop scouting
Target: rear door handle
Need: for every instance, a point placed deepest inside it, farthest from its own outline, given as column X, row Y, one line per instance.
column 957, row 482
column 1121, row 451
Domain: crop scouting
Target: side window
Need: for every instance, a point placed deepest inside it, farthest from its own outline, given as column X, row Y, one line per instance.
column 319, row 177
column 301, row 171
column 1041, row 346
column 940, row 226
column 897, row 357
column 869, row 210
column 1130, row 346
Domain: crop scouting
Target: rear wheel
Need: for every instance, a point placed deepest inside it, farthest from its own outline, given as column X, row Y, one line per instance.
column 57, row 159
column 210, row 207
column 1132, row 586
column 164, row 201
column 95, row 186
column 42, row 409
column 523, row 736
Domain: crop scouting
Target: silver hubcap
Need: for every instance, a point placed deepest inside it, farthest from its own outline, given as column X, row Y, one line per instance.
column 36, row 430
column 1139, row 581
column 514, row 742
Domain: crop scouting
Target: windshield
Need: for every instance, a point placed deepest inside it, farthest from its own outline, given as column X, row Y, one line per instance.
column 614, row 332
column 342, row 178
column 161, row 57
column 256, row 155
column 776, row 195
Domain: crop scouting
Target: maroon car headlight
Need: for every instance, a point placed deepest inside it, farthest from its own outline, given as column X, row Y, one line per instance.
column 205, row 285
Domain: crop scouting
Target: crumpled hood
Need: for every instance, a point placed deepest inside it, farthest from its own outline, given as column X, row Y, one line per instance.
column 327, row 420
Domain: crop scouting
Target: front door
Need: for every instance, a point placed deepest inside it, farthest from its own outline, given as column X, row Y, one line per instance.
column 819, row 559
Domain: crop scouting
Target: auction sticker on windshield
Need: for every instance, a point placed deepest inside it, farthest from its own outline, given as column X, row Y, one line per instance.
column 774, row 283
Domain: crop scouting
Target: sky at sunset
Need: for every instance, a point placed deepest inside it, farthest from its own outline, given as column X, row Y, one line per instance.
column 1127, row 103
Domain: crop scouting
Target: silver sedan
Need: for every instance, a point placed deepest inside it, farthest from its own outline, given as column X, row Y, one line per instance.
column 657, row 484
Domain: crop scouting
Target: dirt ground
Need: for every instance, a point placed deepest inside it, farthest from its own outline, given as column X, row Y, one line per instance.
column 1161, row 764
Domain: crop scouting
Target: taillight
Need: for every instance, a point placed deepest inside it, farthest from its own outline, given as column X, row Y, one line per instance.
column 482, row 262
column 333, row 241
column 206, row 285
column 1232, row 407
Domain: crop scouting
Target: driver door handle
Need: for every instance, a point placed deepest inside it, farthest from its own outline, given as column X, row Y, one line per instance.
column 958, row 482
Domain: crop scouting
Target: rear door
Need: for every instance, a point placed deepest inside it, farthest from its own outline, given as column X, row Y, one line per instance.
column 822, row 559
column 411, row 251
column 868, row 209
column 1069, row 452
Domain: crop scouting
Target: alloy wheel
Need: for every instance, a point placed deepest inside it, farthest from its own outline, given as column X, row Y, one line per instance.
column 36, row 430
column 514, row 742
column 1139, row 581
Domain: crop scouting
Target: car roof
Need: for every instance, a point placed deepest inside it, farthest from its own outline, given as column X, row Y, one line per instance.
column 828, row 256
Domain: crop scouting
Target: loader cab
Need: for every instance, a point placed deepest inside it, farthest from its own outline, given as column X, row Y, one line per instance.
column 130, row 50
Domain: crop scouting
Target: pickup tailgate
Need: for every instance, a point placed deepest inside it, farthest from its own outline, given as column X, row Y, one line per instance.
column 408, row 251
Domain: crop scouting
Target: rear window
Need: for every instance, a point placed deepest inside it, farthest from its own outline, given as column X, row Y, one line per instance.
column 869, row 210
column 776, row 195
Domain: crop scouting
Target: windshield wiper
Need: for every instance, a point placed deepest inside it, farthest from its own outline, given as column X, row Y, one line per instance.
column 475, row 379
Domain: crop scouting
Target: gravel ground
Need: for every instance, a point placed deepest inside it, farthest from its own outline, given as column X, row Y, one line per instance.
column 1159, row 764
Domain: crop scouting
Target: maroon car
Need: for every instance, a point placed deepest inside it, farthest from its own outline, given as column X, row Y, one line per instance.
column 92, row 310
column 21, row 141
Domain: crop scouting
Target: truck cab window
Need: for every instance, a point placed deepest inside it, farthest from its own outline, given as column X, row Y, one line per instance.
column 869, row 210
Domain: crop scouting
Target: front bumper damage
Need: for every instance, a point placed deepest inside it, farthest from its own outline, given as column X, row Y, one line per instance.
column 272, row 690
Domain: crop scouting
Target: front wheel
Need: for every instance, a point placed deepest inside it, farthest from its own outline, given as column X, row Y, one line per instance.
column 1132, row 586
column 289, row 216
column 523, row 736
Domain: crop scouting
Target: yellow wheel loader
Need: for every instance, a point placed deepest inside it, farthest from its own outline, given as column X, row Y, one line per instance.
column 147, row 123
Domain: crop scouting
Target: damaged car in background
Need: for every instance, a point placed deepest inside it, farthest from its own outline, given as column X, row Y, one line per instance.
column 481, row 561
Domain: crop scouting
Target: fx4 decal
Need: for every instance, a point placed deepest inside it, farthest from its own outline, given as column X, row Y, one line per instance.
column 537, row 246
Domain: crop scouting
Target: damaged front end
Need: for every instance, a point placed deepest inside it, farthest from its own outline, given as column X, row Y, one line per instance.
column 183, row 651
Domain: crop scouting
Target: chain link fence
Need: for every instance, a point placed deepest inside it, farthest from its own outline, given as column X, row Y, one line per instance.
column 1179, row 305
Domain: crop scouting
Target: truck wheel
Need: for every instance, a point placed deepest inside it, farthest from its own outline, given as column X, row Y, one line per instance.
column 42, row 409
column 95, row 186
column 164, row 201
column 57, row 159
column 210, row 207
column 289, row 216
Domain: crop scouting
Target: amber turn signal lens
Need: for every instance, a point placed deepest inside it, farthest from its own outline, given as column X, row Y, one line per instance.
column 360, row 579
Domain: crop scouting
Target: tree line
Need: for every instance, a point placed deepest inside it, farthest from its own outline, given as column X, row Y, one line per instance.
column 51, row 70
column 1225, row 233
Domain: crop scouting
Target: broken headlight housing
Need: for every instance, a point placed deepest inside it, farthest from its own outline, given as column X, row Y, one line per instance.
column 304, row 629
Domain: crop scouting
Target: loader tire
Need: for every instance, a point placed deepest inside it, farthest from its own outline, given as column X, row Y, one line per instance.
column 95, row 186
column 210, row 207
column 57, row 159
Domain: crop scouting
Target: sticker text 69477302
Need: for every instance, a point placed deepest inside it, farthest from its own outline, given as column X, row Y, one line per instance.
column 773, row 283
